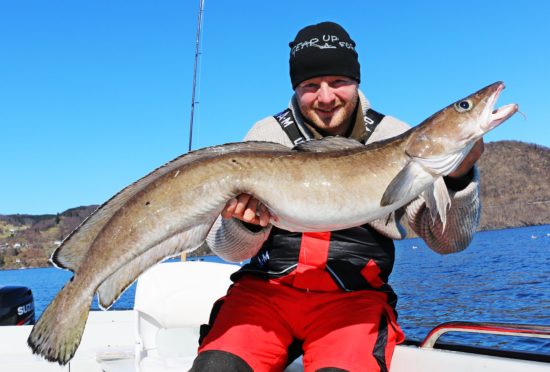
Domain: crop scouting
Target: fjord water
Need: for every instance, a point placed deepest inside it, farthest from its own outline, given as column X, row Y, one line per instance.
column 503, row 276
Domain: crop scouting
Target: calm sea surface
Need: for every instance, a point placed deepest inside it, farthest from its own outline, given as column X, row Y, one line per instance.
column 504, row 276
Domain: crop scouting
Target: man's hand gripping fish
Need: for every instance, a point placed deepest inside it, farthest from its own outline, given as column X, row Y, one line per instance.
column 324, row 185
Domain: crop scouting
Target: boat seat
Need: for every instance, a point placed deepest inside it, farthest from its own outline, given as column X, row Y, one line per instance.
column 172, row 300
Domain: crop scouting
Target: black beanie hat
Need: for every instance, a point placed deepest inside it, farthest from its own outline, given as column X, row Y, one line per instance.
column 323, row 49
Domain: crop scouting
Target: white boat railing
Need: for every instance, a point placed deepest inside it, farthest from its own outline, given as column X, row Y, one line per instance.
column 521, row 330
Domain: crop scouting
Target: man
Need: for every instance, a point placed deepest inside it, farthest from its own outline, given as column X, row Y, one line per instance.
column 326, row 292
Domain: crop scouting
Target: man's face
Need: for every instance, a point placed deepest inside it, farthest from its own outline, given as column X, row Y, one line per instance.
column 328, row 102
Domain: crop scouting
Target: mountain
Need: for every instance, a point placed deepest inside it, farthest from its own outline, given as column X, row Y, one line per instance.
column 515, row 185
column 515, row 191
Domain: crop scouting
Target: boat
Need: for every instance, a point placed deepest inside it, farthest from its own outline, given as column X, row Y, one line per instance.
column 173, row 299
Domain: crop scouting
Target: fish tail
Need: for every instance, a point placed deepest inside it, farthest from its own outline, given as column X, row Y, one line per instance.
column 58, row 332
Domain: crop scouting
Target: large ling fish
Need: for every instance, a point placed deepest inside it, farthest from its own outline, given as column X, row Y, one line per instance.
column 322, row 185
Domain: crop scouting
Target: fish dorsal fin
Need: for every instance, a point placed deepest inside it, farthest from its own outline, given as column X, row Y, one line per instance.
column 71, row 252
column 328, row 144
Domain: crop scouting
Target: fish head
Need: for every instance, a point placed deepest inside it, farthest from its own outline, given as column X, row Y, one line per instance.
column 456, row 127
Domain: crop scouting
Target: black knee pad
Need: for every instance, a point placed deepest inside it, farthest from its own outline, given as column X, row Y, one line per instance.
column 219, row 361
column 331, row 369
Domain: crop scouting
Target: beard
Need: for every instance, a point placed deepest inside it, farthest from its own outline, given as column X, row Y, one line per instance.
column 332, row 120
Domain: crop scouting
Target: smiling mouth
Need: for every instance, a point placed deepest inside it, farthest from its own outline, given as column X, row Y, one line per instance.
column 327, row 111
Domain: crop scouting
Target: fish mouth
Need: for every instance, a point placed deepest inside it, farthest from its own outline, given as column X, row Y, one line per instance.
column 501, row 114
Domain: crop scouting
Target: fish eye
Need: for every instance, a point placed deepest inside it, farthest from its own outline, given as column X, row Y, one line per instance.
column 464, row 105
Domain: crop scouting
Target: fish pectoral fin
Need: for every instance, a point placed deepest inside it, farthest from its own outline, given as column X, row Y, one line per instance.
column 328, row 144
column 438, row 200
column 407, row 184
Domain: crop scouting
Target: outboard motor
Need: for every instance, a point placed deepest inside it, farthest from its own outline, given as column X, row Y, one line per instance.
column 16, row 306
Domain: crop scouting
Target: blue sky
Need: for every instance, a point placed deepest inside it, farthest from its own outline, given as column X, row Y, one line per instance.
column 95, row 94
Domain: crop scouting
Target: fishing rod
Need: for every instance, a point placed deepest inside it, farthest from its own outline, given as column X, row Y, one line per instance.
column 195, row 68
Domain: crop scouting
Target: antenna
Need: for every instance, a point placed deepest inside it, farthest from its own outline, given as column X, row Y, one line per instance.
column 197, row 53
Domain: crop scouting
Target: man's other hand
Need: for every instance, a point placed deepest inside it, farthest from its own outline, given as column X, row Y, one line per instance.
column 248, row 209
